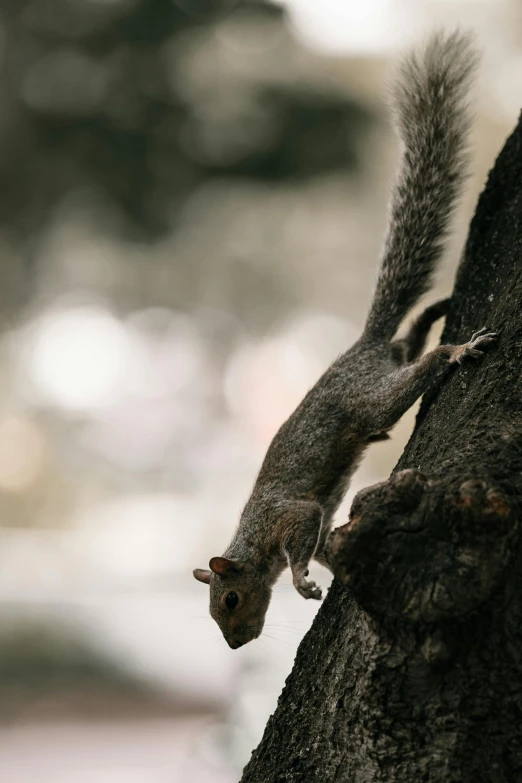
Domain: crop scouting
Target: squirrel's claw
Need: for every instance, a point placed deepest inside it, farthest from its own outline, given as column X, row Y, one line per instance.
column 309, row 589
column 474, row 348
column 484, row 332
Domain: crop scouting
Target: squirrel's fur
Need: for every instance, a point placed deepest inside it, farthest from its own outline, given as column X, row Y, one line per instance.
column 429, row 100
column 311, row 459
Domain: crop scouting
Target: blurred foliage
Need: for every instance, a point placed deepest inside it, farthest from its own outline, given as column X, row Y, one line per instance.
column 48, row 670
column 37, row 655
column 152, row 155
column 135, row 103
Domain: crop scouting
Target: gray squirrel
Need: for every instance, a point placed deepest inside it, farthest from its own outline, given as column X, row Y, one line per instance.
column 311, row 459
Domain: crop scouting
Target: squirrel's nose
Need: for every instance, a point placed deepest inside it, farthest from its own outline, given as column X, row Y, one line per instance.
column 235, row 644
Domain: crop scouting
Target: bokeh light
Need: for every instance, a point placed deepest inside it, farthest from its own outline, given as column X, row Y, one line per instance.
column 78, row 358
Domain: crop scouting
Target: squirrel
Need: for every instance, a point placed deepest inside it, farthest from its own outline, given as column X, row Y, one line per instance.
column 311, row 459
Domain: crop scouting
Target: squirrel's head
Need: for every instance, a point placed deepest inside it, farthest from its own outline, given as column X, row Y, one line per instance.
column 238, row 599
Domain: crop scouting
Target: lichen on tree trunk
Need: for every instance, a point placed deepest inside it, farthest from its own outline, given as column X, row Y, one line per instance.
column 412, row 670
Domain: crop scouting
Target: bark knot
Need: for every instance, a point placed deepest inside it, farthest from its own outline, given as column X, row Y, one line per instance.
column 424, row 550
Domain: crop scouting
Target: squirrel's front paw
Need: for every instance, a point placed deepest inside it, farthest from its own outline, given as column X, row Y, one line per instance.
column 474, row 348
column 308, row 589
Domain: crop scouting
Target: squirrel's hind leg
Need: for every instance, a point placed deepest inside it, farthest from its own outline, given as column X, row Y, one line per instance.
column 398, row 390
column 410, row 347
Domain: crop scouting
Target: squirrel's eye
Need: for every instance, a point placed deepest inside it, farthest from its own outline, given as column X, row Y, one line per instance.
column 232, row 600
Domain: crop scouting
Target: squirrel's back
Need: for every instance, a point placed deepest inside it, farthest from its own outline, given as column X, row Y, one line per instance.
column 430, row 108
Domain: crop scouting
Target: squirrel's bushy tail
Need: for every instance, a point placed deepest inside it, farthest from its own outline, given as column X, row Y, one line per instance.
column 429, row 100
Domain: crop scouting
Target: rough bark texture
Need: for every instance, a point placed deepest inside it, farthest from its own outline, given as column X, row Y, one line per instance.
column 412, row 670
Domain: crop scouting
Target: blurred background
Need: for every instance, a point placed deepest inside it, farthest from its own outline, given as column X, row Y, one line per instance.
column 193, row 198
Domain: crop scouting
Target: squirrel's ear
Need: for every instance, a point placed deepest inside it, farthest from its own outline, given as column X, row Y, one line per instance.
column 222, row 566
column 202, row 575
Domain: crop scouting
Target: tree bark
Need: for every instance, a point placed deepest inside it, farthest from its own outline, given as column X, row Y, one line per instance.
column 412, row 670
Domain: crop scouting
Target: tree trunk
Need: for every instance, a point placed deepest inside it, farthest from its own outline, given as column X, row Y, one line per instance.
column 412, row 670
